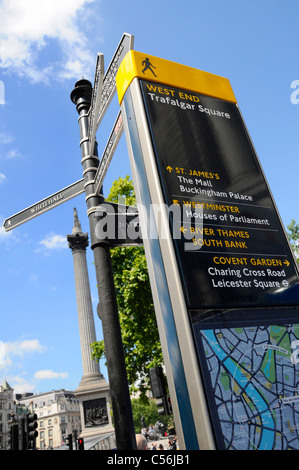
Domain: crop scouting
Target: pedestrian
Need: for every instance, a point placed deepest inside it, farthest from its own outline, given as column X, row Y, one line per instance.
column 172, row 444
column 141, row 442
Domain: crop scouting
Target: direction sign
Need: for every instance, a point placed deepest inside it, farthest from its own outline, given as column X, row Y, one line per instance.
column 240, row 254
column 103, row 91
column 44, row 205
column 227, row 304
column 111, row 145
column 109, row 86
column 95, row 100
column 205, row 159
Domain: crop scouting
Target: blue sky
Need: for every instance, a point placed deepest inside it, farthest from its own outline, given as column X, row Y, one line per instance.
column 45, row 47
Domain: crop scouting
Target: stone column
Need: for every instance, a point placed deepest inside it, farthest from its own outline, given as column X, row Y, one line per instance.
column 93, row 390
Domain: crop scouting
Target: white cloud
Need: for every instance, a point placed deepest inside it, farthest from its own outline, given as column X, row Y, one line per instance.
column 54, row 242
column 5, row 236
column 50, row 374
column 2, row 92
column 7, row 154
column 13, row 153
column 20, row 384
column 2, row 354
column 18, row 348
column 30, row 28
column 2, row 178
column 6, row 138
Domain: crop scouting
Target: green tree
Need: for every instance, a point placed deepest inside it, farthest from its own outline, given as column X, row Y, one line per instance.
column 149, row 410
column 140, row 335
column 293, row 235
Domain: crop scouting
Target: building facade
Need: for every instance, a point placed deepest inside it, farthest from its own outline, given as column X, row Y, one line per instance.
column 58, row 415
column 6, row 409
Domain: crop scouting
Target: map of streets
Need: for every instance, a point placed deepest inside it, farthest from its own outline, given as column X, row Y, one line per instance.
column 254, row 373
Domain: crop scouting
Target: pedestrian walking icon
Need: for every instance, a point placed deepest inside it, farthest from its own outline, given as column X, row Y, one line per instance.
column 148, row 66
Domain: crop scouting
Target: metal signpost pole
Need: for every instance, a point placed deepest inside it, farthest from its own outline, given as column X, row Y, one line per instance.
column 120, row 398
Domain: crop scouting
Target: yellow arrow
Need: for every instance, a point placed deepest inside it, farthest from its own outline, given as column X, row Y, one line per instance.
column 175, row 201
column 169, row 169
column 287, row 263
column 183, row 229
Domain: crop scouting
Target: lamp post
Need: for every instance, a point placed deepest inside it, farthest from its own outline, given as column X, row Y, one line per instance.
column 119, row 390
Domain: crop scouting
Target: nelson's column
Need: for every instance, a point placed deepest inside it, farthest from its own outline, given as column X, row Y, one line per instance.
column 93, row 390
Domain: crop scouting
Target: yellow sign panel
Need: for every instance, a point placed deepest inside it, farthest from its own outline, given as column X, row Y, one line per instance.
column 171, row 74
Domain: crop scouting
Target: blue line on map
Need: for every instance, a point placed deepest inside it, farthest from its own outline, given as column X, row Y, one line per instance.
column 267, row 438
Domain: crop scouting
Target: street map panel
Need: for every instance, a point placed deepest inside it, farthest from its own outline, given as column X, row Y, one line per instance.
column 254, row 377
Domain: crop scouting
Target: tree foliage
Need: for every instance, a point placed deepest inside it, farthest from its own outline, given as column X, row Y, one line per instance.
column 293, row 235
column 149, row 410
column 135, row 305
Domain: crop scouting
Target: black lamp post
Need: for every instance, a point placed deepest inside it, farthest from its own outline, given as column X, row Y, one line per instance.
column 119, row 390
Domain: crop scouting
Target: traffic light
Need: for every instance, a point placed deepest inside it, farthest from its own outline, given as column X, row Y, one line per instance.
column 81, row 443
column 158, row 387
column 162, row 405
column 69, row 441
column 32, row 433
column 157, row 382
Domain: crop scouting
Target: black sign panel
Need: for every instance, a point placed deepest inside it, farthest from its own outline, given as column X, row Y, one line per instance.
column 232, row 250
